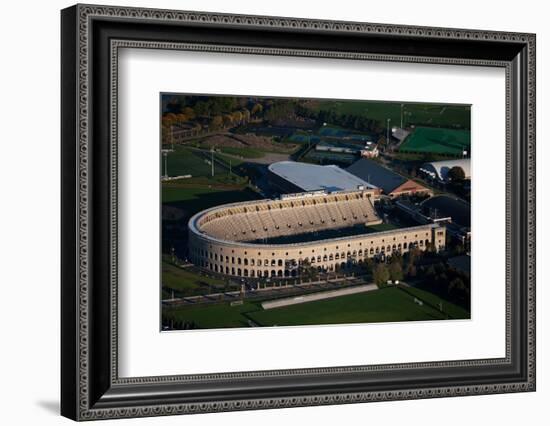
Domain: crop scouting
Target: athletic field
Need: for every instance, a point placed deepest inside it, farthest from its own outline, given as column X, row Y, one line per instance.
column 390, row 304
column 419, row 114
column 436, row 141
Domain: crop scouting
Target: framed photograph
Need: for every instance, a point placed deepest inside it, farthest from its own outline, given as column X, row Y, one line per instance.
column 263, row 212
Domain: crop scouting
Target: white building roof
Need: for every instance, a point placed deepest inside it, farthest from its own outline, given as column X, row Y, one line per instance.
column 440, row 168
column 313, row 177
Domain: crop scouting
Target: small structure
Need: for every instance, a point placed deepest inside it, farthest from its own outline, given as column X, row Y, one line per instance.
column 370, row 150
column 391, row 183
column 399, row 134
column 338, row 148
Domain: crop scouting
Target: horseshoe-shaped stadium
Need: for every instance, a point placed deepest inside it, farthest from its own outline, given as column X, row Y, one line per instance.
column 277, row 237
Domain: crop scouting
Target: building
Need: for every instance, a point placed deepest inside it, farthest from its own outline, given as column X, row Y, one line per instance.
column 339, row 148
column 239, row 239
column 443, row 206
column 399, row 134
column 292, row 177
column 370, row 150
column 391, row 183
column 438, row 170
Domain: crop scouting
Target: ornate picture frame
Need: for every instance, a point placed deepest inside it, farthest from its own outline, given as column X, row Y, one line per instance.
column 91, row 37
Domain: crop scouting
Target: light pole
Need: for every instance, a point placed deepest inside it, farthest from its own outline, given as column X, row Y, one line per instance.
column 212, row 160
column 388, row 132
column 402, row 109
column 165, row 164
column 172, row 136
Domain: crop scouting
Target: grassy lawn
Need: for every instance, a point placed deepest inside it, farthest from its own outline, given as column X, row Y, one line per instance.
column 199, row 197
column 186, row 281
column 212, row 316
column 187, row 161
column 391, row 304
column 438, row 141
column 454, row 311
column 385, row 305
column 417, row 114
column 243, row 152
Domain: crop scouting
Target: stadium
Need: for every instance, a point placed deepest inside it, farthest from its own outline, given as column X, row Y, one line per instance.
column 281, row 237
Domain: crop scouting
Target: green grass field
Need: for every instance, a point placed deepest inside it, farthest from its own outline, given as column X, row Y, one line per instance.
column 193, row 199
column 187, row 161
column 188, row 282
column 413, row 113
column 438, row 141
column 391, row 304
column 243, row 152
column 212, row 316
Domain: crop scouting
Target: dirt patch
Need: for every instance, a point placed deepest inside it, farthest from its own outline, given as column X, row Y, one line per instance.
column 263, row 143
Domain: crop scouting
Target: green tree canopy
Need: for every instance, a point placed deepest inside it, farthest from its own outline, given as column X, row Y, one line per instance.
column 456, row 174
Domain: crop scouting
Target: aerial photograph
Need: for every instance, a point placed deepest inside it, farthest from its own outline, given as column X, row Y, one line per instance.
column 284, row 212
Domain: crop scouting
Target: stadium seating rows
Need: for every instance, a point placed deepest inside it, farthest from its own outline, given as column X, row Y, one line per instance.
column 268, row 219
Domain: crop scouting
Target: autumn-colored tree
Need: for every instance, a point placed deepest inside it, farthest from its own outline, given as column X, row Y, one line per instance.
column 216, row 123
column 381, row 274
column 189, row 112
column 245, row 115
column 396, row 271
column 257, row 109
column 227, row 120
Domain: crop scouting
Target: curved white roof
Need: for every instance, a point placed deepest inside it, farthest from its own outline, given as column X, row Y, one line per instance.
column 440, row 168
column 313, row 177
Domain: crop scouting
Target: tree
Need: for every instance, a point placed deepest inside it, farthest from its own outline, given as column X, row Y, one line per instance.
column 456, row 174
column 257, row 109
column 216, row 122
column 411, row 271
column 395, row 271
column 381, row 274
column 308, row 271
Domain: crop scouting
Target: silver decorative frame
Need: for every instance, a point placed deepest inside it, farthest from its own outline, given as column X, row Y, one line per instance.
column 82, row 398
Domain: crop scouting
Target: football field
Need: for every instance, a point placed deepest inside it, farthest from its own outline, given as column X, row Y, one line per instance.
column 390, row 304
